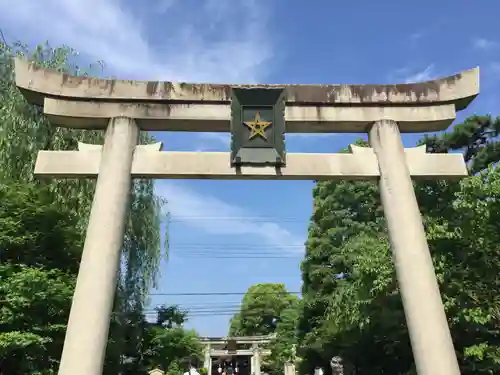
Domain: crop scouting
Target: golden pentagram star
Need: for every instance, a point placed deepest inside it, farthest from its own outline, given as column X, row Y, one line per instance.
column 257, row 127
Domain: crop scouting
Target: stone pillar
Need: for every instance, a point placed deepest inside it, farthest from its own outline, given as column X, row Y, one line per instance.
column 256, row 360
column 208, row 359
column 88, row 324
column 289, row 368
column 425, row 316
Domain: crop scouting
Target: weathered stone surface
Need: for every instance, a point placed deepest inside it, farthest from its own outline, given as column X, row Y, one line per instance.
column 216, row 117
column 430, row 337
column 89, row 102
column 360, row 165
column 37, row 82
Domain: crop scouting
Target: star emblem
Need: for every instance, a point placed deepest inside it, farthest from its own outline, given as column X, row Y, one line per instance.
column 257, row 127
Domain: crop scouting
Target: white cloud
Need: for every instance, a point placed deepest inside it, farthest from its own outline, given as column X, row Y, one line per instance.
column 216, row 217
column 410, row 74
column 165, row 40
column 118, row 34
column 485, row 44
column 417, row 35
column 424, row 75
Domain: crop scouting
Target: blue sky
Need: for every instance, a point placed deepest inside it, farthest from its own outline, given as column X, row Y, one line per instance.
column 269, row 41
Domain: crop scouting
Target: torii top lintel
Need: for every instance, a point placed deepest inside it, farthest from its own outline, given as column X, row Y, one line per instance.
column 454, row 92
column 260, row 339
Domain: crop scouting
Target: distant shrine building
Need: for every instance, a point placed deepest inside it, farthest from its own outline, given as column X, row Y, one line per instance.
column 242, row 354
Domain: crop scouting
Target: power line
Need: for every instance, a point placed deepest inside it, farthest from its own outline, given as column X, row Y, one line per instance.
column 202, row 308
column 237, row 251
column 244, row 250
column 256, row 250
column 151, row 316
column 205, row 313
column 235, row 245
column 211, row 308
column 234, row 256
column 198, row 304
column 215, row 307
column 219, row 312
column 257, row 219
column 202, row 312
column 223, row 293
column 235, row 305
column 195, row 308
column 190, row 312
column 202, row 315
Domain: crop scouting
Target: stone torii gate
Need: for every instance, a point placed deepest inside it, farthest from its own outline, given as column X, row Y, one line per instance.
column 220, row 347
column 123, row 108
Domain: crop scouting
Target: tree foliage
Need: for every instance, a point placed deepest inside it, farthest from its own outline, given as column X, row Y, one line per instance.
column 39, row 252
column 260, row 311
column 164, row 343
column 283, row 347
column 24, row 131
column 351, row 303
column 39, row 255
column 38, row 244
column 269, row 309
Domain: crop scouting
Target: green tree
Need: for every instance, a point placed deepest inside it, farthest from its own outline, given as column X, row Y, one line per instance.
column 164, row 343
column 39, row 255
column 476, row 138
column 266, row 309
column 260, row 310
column 170, row 316
column 24, row 131
column 283, row 347
column 342, row 210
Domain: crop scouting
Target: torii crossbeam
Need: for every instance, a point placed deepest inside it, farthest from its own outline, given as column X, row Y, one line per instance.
column 150, row 162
